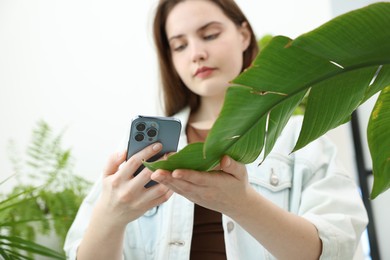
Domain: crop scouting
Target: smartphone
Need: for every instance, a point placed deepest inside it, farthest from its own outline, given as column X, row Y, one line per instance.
column 146, row 130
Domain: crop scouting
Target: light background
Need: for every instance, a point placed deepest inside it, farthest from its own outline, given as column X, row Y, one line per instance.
column 89, row 66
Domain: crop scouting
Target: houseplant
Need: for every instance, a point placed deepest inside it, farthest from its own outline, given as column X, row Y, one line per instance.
column 339, row 66
column 16, row 247
column 46, row 196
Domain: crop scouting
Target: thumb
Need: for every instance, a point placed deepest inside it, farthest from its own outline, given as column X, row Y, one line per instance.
column 233, row 167
column 115, row 160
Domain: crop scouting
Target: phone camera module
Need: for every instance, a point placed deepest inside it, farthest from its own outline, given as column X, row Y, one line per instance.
column 139, row 137
column 152, row 132
column 141, row 127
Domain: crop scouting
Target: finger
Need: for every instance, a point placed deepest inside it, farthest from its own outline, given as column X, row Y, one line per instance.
column 231, row 166
column 151, row 196
column 163, row 177
column 135, row 161
column 160, row 175
column 160, row 199
column 185, row 188
column 195, row 177
column 157, row 191
column 178, row 185
column 165, row 156
column 142, row 177
column 217, row 167
column 113, row 163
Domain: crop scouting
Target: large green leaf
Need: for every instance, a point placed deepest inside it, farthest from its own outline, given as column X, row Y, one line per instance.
column 328, row 98
column 357, row 39
column 378, row 133
column 191, row 157
column 382, row 79
column 340, row 64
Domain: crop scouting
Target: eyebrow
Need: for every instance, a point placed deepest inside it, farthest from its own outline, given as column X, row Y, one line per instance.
column 202, row 28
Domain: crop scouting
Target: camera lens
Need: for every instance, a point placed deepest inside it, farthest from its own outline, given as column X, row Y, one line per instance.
column 152, row 132
column 139, row 137
column 141, row 127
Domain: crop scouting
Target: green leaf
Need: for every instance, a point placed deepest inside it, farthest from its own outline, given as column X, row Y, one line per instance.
column 328, row 98
column 285, row 69
column 15, row 255
column 191, row 157
column 382, row 79
column 4, row 254
column 238, row 118
column 28, row 210
column 359, row 38
column 29, row 246
column 340, row 64
column 378, row 133
column 278, row 119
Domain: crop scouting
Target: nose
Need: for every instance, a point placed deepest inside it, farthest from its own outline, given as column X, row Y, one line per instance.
column 199, row 52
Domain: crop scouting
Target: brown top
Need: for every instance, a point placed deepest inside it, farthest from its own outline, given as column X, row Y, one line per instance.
column 207, row 239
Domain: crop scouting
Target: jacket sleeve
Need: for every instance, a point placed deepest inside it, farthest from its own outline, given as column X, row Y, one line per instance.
column 331, row 200
column 81, row 222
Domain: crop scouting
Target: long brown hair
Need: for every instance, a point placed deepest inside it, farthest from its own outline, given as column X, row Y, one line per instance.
column 175, row 93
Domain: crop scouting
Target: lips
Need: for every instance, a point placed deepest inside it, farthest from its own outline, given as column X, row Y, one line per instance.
column 203, row 72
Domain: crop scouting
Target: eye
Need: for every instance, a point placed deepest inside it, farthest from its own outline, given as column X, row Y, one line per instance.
column 211, row 36
column 179, row 47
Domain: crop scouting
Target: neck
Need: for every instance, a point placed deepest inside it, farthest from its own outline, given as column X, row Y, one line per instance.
column 207, row 113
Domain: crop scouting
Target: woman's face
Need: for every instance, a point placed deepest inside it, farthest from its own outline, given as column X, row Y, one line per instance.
column 207, row 47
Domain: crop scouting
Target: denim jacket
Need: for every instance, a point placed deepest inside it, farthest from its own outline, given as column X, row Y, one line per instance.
column 307, row 182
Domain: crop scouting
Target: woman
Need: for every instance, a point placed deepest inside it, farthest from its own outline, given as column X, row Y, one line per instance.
column 299, row 206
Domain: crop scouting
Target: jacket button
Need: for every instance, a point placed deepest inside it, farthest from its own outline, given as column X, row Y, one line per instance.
column 151, row 212
column 177, row 243
column 230, row 226
column 274, row 179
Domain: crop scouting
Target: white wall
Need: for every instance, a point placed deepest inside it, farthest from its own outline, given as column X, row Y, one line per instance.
column 85, row 65
column 89, row 66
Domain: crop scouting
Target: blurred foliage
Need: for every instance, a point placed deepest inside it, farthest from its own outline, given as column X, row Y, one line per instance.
column 46, row 196
column 264, row 40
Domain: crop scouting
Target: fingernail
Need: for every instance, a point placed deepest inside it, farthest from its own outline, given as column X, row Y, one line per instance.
column 156, row 147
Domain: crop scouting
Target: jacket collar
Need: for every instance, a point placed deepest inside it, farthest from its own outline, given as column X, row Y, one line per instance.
column 183, row 116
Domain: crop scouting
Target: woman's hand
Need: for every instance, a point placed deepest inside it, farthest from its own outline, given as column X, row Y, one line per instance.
column 222, row 190
column 285, row 235
column 124, row 197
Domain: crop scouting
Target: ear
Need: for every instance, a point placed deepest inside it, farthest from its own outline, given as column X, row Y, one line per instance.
column 246, row 35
